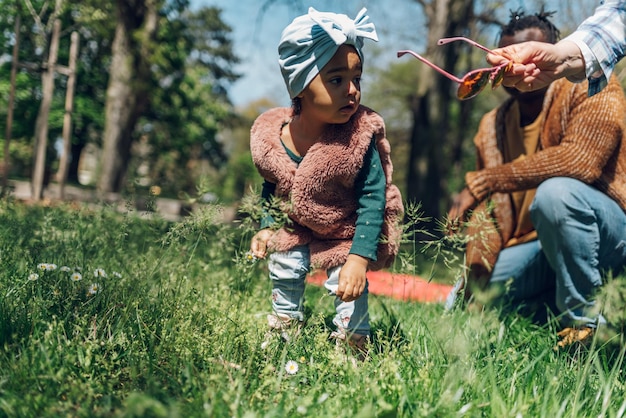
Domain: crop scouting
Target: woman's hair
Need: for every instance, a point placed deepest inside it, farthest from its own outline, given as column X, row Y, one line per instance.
column 520, row 21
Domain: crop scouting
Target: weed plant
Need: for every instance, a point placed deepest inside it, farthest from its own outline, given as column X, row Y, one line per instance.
column 117, row 315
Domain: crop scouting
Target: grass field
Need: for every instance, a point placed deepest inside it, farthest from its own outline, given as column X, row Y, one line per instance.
column 109, row 315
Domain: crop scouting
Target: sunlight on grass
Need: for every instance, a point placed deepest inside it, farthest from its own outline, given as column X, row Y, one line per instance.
column 103, row 314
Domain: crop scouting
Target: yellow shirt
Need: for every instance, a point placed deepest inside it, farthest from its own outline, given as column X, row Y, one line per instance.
column 521, row 142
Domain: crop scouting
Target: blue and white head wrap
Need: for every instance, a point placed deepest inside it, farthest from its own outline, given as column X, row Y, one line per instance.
column 311, row 40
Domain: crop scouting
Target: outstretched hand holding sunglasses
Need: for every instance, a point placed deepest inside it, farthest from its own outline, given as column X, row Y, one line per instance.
column 473, row 82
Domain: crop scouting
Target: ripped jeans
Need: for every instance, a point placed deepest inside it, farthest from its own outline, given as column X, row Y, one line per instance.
column 288, row 271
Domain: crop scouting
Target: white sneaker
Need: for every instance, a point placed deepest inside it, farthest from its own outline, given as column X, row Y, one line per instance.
column 454, row 294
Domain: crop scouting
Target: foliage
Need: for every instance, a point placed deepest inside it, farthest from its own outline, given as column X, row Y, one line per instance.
column 189, row 104
column 177, row 324
column 191, row 68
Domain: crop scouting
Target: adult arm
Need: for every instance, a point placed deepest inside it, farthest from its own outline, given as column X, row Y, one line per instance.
column 591, row 52
column 592, row 130
column 601, row 39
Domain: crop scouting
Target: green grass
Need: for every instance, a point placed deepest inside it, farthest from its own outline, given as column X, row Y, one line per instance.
column 176, row 326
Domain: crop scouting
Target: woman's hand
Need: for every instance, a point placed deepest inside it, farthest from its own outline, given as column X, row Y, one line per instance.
column 537, row 64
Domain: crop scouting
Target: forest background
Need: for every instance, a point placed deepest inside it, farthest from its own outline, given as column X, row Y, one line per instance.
column 159, row 103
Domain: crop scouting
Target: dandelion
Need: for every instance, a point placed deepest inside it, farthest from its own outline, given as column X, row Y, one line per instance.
column 33, row 276
column 94, row 288
column 76, row 276
column 100, row 273
column 65, row 269
column 291, row 367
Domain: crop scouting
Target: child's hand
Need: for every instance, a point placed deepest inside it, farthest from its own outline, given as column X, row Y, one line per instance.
column 352, row 278
column 258, row 246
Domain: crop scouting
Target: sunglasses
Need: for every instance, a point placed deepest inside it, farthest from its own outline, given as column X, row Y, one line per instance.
column 473, row 82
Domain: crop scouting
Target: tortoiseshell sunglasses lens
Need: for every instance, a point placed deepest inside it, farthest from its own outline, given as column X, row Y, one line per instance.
column 498, row 76
column 473, row 83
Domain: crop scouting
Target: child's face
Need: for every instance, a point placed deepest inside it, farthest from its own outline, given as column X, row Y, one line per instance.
column 335, row 93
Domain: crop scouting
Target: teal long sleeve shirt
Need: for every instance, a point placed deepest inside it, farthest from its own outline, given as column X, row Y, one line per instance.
column 369, row 187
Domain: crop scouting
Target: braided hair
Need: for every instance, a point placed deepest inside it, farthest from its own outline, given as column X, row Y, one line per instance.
column 520, row 21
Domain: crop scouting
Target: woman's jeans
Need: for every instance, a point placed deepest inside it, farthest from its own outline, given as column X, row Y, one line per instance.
column 582, row 235
column 288, row 272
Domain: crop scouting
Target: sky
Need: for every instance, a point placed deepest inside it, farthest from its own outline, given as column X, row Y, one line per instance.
column 256, row 34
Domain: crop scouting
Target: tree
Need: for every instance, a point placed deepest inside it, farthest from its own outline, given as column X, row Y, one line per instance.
column 159, row 53
column 34, row 38
column 128, row 91
column 191, row 105
column 429, row 104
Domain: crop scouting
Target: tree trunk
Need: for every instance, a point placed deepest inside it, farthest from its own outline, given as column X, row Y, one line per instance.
column 9, row 127
column 41, row 125
column 128, row 91
column 76, row 151
column 67, row 117
column 432, row 130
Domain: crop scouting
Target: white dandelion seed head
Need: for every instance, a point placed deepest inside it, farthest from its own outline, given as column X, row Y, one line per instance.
column 76, row 276
column 291, row 367
column 33, row 276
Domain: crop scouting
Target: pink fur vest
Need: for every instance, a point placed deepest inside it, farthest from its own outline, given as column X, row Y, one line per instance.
column 319, row 192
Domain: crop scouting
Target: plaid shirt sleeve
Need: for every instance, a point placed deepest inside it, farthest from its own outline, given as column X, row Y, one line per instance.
column 602, row 41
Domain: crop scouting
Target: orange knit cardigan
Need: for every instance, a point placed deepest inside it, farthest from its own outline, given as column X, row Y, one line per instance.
column 581, row 137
